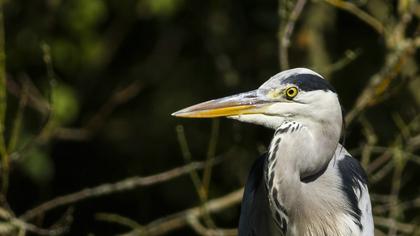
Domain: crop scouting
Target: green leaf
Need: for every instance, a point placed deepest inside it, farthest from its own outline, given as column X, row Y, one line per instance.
column 38, row 166
column 84, row 15
column 163, row 8
column 64, row 104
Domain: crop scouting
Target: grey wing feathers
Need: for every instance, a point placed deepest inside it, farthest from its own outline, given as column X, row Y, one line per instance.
column 256, row 218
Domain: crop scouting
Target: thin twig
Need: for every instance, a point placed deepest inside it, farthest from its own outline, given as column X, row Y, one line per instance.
column 3, row 104
column 17, row 124
column 110, row 188
column 198, row 184
column 381, row 173
column 380, row 81
column 371, row 141
column 118, row 219
column 178, row 220
column 35, row 99
column 11, row 225
column 378, row 162
column 61, row 227
column 186, row 154
column 403, row 206
column 359, row 13
column 200, row 229
column 386, row 222
column 120, row 96
column 399, row 163
column 349, row 57
column 211, row 151
column 286, row 33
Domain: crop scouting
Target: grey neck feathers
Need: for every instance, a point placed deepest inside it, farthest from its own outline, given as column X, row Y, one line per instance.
column 304, row 149
column 299, row 150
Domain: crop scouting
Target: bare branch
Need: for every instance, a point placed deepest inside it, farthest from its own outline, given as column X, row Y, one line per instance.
column 379, row 82
column 118, row 219
column 17, row 123
column 198, row 184
column 403, row 206
column 286, row 33
column 388, row 223
column 211, row 151
column 110, row 188
column 175, row 221
column 359, row 13
column 200, row 229
column 120, row 96
column 5, row 160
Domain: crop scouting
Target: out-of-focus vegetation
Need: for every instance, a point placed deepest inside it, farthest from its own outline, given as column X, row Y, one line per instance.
column 88, row 86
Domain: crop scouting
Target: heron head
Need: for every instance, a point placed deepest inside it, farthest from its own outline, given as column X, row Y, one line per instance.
column 297, row 94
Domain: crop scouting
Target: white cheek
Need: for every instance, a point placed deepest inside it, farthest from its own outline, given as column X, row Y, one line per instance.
column 284, row 109
column 272, row 122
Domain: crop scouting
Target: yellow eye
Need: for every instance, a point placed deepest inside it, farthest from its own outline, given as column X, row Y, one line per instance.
column 291, row 92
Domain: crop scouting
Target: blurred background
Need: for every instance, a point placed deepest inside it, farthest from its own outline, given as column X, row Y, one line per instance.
column 88, row 86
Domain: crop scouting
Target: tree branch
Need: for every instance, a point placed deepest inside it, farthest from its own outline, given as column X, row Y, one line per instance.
column 359, row 13
column 110, row 188
column 286, row 33
column 175, row 221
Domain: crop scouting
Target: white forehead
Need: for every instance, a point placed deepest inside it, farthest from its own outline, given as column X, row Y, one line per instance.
column 275, row 79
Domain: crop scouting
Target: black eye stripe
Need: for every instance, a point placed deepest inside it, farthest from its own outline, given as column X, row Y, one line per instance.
column 309, row 82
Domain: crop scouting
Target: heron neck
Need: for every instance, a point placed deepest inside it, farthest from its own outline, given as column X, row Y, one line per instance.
column 299, row 150
column 304, row 147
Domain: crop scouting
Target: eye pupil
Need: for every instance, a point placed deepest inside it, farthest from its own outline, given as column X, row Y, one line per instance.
column 291, row 92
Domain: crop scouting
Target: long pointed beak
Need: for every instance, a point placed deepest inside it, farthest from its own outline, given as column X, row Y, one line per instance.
column 244, row 103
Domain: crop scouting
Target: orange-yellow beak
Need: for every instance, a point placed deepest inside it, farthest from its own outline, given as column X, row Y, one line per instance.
column 240, row 104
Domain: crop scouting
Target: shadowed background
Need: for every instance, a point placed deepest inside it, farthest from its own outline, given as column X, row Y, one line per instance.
column 91, row 86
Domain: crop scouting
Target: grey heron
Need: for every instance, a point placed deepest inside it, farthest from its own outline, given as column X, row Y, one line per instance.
column 307, row 184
